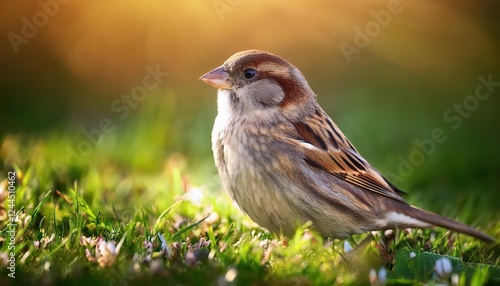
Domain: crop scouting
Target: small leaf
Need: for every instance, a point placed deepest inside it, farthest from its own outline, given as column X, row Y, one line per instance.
column 187, row 228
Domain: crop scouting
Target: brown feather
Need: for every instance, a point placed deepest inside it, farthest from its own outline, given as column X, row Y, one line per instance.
column 336, row 155
column 445, row 222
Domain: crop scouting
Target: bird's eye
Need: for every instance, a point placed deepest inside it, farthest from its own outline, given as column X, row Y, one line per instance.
column 249, row 73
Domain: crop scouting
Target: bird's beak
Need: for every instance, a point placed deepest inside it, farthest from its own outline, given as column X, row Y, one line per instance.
column 217, row 78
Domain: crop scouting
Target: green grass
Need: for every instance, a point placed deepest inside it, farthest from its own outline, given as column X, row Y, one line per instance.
column 153, row 179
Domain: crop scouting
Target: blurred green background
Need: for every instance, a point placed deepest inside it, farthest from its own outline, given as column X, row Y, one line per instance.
column 62, row 73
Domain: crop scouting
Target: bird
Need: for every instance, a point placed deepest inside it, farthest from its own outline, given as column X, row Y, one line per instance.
column 284, row 161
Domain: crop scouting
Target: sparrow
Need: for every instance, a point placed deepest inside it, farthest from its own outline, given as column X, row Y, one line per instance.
column 284, row 162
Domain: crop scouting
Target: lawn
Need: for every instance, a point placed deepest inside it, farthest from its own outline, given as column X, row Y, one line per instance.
column 143, row 203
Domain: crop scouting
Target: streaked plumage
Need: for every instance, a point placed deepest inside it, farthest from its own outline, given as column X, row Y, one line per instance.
column 285, row 162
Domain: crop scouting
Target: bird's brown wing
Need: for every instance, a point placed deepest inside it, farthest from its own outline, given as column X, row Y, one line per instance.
column 327, row 149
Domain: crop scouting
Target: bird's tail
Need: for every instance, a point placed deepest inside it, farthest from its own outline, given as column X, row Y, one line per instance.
column 437, row 220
